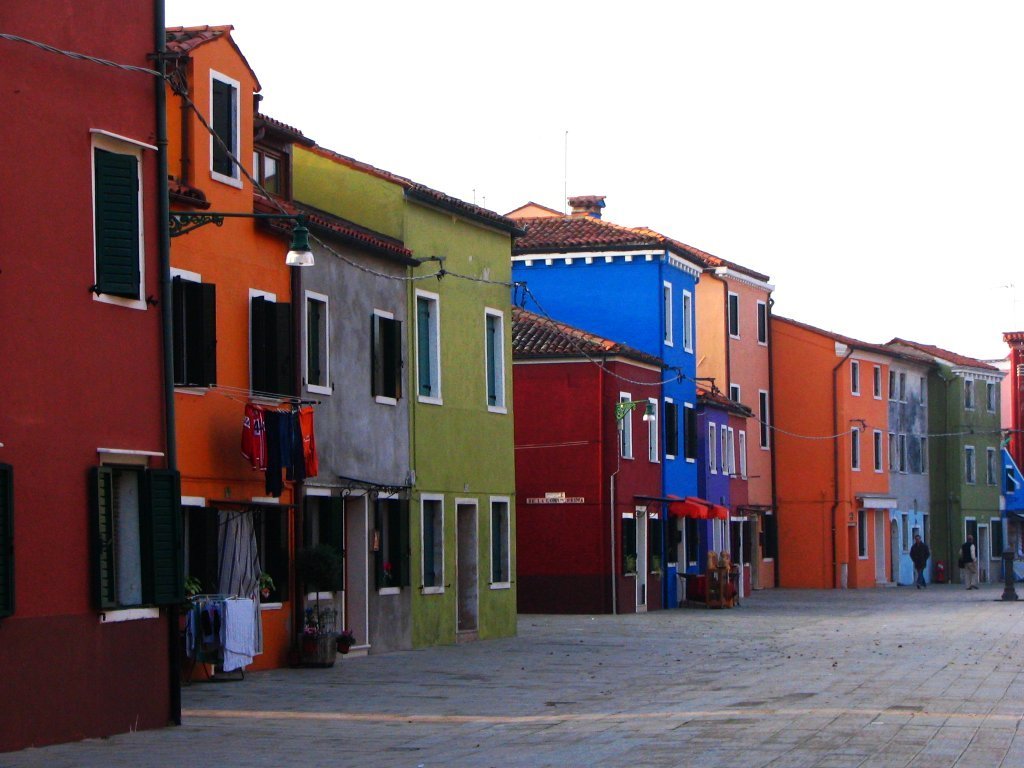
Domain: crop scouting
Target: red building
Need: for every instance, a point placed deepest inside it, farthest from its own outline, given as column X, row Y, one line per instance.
column 88, row 550
column 588, row 538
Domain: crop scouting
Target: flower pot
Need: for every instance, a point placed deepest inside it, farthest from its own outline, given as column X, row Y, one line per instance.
column 344, row 645
column 317, row 650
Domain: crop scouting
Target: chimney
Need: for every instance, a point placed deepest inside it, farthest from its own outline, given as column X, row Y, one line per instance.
column 587, row 205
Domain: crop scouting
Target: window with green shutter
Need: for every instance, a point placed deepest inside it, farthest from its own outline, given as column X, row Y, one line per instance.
column 224, row 120
column 195, row 332
column 272, row 362
column 6, row 540
column 428, row 377
column 116, row 203
column 500, row 562
column 386, row 365
column 495, row 364
column 136, row 532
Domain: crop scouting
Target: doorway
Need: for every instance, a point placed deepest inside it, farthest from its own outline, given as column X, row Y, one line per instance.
column 641, row 560
column 983, row 554
column 881, row 572
column 467, row 566
column 894, row 549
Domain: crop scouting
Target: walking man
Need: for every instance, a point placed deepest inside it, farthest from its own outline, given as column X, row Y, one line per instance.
column 919, row 553
column 969, row 562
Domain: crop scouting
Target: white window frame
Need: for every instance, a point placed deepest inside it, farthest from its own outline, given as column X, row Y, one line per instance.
column 507, row 501
column 970, row 396
column 712, row 448
column 991, row 397
column 122, row 146
column 762, row 322
column 383, row 399
column 903, row 386
column 731, row 454
column 687, row 321
column 855, row 378
column 669, row 400
column 876, row 382
column 666, row 298
column 626, row 428
column 734, row 393
column 892, row 386
column 855, row 449
column 723, row 461
column 653, row 427
column 234, row 180
column 733, row 316
column 434, row 338
column 435, row 590
column 320, row 389
column 765, row 431
column 498, row 362
column 743, row 453
column 686, row 420
column 970, row 467
column 876, row 440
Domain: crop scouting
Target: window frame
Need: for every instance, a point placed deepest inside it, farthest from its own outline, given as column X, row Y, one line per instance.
column 894, row 453
column 876, row 382
column 892, row 385
column 855, row 449
column 324, row 345
column 901, row 446
column 735, row 393
column 116, row 145
column 730, row 455
column 194, row 312
column 234, row 178
column 671, row 419
column 990, row 466
column 764, row 419
column 876, row 440
column 436, row 549
column 389, row 511
column 384, row 388
column 855, row 378
column 970, row 468
column 626, row 428
column 991, row 397
column 691, row 436
column 742, row 443
column 712, row 447
column 862, row 534
column 733, row 312
column 653, row 430
column 432, row 346
column 762, row 323
column 970, row 397
column 274, row 372
column 666, row 300
column 687, row 304
column 494, row 360
column 504, row 541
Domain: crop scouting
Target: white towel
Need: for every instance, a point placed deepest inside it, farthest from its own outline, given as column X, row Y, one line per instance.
column 239, row 633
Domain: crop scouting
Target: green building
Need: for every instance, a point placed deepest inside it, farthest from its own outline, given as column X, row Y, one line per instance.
column 964, row 460
column 442, row 549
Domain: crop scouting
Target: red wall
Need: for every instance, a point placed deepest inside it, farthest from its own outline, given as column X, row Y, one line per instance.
column 77, row 374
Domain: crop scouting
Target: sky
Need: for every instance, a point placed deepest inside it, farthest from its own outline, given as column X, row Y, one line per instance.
column 867, row 156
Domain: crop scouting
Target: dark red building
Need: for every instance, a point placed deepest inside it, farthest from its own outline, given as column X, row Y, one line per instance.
column 88, row 549
column 588, row 538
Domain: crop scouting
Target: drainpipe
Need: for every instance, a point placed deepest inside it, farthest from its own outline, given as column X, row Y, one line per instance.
column 771, row 443
column 611, row 487
column 835, row 462
column 167, row 328
column 298, row 524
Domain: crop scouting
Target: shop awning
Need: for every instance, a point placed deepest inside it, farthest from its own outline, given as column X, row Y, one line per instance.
column 698, row 508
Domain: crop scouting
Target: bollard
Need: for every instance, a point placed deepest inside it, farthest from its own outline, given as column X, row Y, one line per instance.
column 1009, row 593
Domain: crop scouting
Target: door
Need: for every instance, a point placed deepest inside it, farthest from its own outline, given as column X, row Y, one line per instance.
column 641, row 561
column 880, row 570
column 356, row 614
column 983, row 554
column 467, row 566
column 894, row 550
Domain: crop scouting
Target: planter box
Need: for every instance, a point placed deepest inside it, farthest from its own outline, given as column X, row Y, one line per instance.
column 318, row 650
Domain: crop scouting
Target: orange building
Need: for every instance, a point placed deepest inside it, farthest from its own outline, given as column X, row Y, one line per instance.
column 832, row 480
column 234, row 337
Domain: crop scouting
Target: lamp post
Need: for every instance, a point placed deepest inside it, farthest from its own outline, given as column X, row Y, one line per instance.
column 299, row 254
column 625, row 406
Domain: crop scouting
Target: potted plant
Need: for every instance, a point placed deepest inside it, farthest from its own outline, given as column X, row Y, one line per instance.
column 318, row 569
column 346, row 639
column 266, row 585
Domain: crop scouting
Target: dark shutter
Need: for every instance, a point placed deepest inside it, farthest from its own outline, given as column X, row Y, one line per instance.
column 335, row 528
column 224, row 127
column 259, row 335
column 314, row 310
column 628, row 543
column 117, row 224
column 376, row 356
column 671, row 429
column 400, row 517
column 104, row 574
column 178, row 311
column 161, row 528
column 6, row 540
column 204, row 351
column 379, row 555
column 690, row 433
column 491, row 330
column 386, row 367
column 423, row 346
column 282, row 375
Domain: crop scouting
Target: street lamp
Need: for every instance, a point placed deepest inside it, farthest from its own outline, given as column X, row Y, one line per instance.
column 625, row 406
column 299, row 253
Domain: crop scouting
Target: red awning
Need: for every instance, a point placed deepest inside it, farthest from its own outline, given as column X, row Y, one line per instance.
column 688, row 508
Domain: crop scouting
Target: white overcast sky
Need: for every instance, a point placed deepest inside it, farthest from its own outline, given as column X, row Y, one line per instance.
column 868, row 156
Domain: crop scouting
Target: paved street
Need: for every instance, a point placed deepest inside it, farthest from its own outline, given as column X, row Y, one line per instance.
column 887, row 677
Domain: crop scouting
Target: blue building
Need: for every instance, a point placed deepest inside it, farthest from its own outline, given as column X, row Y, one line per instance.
column 632, row 285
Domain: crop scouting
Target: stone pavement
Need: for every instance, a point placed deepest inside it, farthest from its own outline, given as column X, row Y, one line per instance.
column 883, row 677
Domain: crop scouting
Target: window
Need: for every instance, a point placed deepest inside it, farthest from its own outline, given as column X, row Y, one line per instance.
column 770, row 543
column 136, row 522
column 762, row 323
column 494, row 350
column 692, row 532
column 713, row 449
column 924, row 455
column 969, row 394
column 924, row 392
column 195, row 331
column 671, row 430
column 117, row 213
column 323, row 522
column 268, row 169
column 224, row 142
column 271, row 339
column 317, row 344
column 734, row 393
column 687, row 321
column 996, row 527
column 653, row 543
column 628, row 545
column 990, row 397
column 272, row 527
column 432, row 550
column 386, row 343
column 1011, row 485
column 743, row 454
column 730, row 454
column 666, row 301
column 862, row 533
column 894, row 453
column 626, row 428
column 724, row 433
column 855, row 448
column 876, row 382
column 901, row 443
column 877, row 445
column 903, row 387
column 653, row 452
column 734, row 315
column 905, row 530
column 391, row 543
column 690, row 433
column 762, row 401
column 501, row 565
column 428, row 349
column 990, row 466
column 6, row 540
column 969, row 470
column 855, row 377
column 893, row 394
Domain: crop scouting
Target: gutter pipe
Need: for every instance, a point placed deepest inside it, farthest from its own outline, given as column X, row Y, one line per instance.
column 835, row 462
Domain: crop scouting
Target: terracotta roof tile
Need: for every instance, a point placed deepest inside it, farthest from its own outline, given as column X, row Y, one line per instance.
column 534, row 336
column 849, row 341
column 945, row 355
column 184, row 39
column 565, row 233
column 184, row 193
column 721, row 401
column 266, row 122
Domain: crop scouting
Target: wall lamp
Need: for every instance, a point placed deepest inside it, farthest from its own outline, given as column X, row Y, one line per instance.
column 299, row 254
column 625, row 406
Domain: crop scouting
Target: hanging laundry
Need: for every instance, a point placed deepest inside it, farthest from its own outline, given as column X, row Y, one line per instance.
column 309, row 456
column 295, row 464
column 273, row 425
column 254, row 437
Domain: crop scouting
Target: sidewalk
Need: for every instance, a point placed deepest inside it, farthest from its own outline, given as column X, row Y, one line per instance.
column 884, row 677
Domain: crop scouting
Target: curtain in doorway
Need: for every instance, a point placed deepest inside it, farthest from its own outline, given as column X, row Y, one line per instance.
column 239, row 563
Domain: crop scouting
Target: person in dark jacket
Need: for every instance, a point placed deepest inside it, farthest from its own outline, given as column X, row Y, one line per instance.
column 969, row 562
column 919, row 553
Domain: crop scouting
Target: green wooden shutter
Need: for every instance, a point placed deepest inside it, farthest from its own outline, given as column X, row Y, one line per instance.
column 203, row 334
column 497, row 543
column 117, row 223
column 423, row 345
column 178, row 311
column 6, row 540
column 259, row 341
column 224, row 126
column 282, row 359
column 161, row 529
column 492, row 361
column 104, row 556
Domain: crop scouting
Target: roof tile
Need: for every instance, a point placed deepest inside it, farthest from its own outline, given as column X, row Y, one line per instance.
column 535, row 336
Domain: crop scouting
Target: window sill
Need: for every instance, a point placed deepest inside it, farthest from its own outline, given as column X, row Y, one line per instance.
column 430, row 400
column 389, row 591
column 271, row 606
column 120, row 301
column 431, row 590
column 128, row 614
column 385, row 400
column 501, row 585
column 319, row 390
column 231, row 181
column 180, row 389
column 497, row 409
